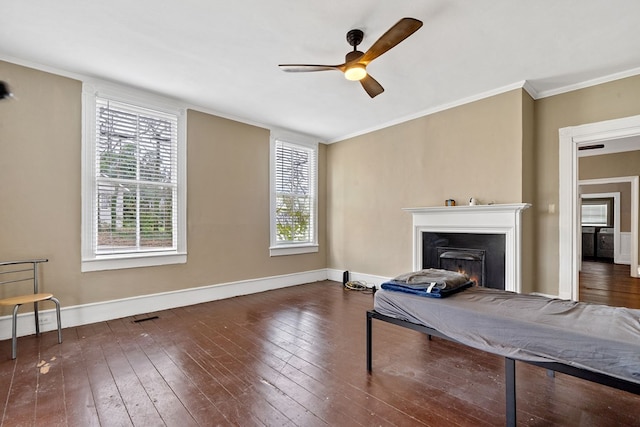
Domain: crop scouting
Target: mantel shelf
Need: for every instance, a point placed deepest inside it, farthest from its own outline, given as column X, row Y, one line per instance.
column 512, row 207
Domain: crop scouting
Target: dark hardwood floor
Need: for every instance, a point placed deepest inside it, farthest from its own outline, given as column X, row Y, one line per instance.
column 608, row 283
column 289, row 357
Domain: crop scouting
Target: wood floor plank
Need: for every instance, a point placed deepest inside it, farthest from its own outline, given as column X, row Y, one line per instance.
column 169, row 406
column 609, row 283
column 108, row 402
column 202, row 408
column 220, row 363
column 185, row 359
column 50, row 398
column 140, row 407
column 7, row 367
column 288, row 357
column 253, row 370
column 20, row 407
column 307, row 321
column 79, row 403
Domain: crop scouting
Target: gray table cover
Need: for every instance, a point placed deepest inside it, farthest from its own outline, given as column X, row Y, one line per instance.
column 596, row 337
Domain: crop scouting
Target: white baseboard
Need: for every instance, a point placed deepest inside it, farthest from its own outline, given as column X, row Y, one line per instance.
column 545, row 295
column 336, row 275
column 624, row 252
column 115, row 309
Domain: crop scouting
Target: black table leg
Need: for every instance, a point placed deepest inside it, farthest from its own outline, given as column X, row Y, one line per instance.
column 510, row 386
column 368, row 342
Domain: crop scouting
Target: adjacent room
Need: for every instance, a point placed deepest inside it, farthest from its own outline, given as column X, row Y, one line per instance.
column 216, row 192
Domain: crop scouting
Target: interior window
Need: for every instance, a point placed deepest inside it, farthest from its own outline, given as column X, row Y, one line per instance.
column 596, row 212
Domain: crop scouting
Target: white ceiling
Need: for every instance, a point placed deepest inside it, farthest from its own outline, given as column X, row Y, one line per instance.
column 223, row 56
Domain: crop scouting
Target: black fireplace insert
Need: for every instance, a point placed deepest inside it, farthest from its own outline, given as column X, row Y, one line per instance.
column 478, row 255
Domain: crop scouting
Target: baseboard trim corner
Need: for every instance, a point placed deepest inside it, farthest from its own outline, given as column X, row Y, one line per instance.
column 336, row 276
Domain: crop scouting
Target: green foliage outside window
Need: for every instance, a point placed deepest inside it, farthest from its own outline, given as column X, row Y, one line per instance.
column 293, row 218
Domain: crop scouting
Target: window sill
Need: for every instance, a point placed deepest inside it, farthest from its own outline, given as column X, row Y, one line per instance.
column 292, row 249
column 117, row 262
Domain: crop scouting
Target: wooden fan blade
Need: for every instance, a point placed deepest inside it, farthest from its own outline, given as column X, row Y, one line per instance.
column 372, row 86
column 305, row 68
column 400, row 31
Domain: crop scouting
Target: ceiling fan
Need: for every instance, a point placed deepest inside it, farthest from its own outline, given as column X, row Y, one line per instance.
column 355, row 65
column 4, row 91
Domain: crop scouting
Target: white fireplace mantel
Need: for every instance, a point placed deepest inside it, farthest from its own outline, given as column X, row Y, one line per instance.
column 487, row 219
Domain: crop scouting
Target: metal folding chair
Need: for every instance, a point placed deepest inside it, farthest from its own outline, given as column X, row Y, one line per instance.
column 25, row 271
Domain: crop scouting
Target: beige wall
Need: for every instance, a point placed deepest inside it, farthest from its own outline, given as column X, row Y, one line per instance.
column 474, row 150
column 228, row 197
column 610, row 166
column 598, row 103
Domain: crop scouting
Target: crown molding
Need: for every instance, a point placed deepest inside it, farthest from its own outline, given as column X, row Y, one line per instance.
column 588, row 83
column 439, row 108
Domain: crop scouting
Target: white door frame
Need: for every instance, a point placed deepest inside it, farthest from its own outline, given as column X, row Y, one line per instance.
column 570, row 139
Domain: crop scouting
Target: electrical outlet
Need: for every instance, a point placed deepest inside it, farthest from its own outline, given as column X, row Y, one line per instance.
column 44, row 319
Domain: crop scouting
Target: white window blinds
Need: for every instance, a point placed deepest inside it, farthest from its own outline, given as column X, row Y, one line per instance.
column 135, row 179
column 595, row 214
column 295, row 187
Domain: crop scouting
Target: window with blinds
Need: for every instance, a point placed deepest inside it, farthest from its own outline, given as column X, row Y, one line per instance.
column 597, row 212
column 295, row 193
column 136, row 179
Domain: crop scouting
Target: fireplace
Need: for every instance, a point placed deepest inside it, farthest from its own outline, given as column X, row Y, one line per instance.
column 478, row 255
column 470, row 262
column 485, row 238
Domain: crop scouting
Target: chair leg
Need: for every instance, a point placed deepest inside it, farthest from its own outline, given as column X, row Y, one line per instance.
column 14, row 326
column 35, row 315
column 57, row 303
column 14, row 332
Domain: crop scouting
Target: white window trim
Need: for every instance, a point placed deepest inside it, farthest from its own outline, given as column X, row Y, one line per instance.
column 281, row 249
column 90, row 261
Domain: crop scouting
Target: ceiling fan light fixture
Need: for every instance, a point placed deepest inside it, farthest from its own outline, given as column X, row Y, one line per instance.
column 355, row 63
column 355, row 72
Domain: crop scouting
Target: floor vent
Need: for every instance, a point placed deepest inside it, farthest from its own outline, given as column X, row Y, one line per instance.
column 145, row 319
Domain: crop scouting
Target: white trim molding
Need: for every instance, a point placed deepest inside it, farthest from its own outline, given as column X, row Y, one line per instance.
column 91, row 260
column 624, row 249
column 114, row 309
column 488, row 219
column 570, row 139
column 297, row 142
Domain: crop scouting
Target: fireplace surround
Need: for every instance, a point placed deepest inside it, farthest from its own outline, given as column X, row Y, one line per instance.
column 499, row 219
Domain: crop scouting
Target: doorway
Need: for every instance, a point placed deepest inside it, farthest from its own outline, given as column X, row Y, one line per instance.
column 620, row 251
column 620, row 131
